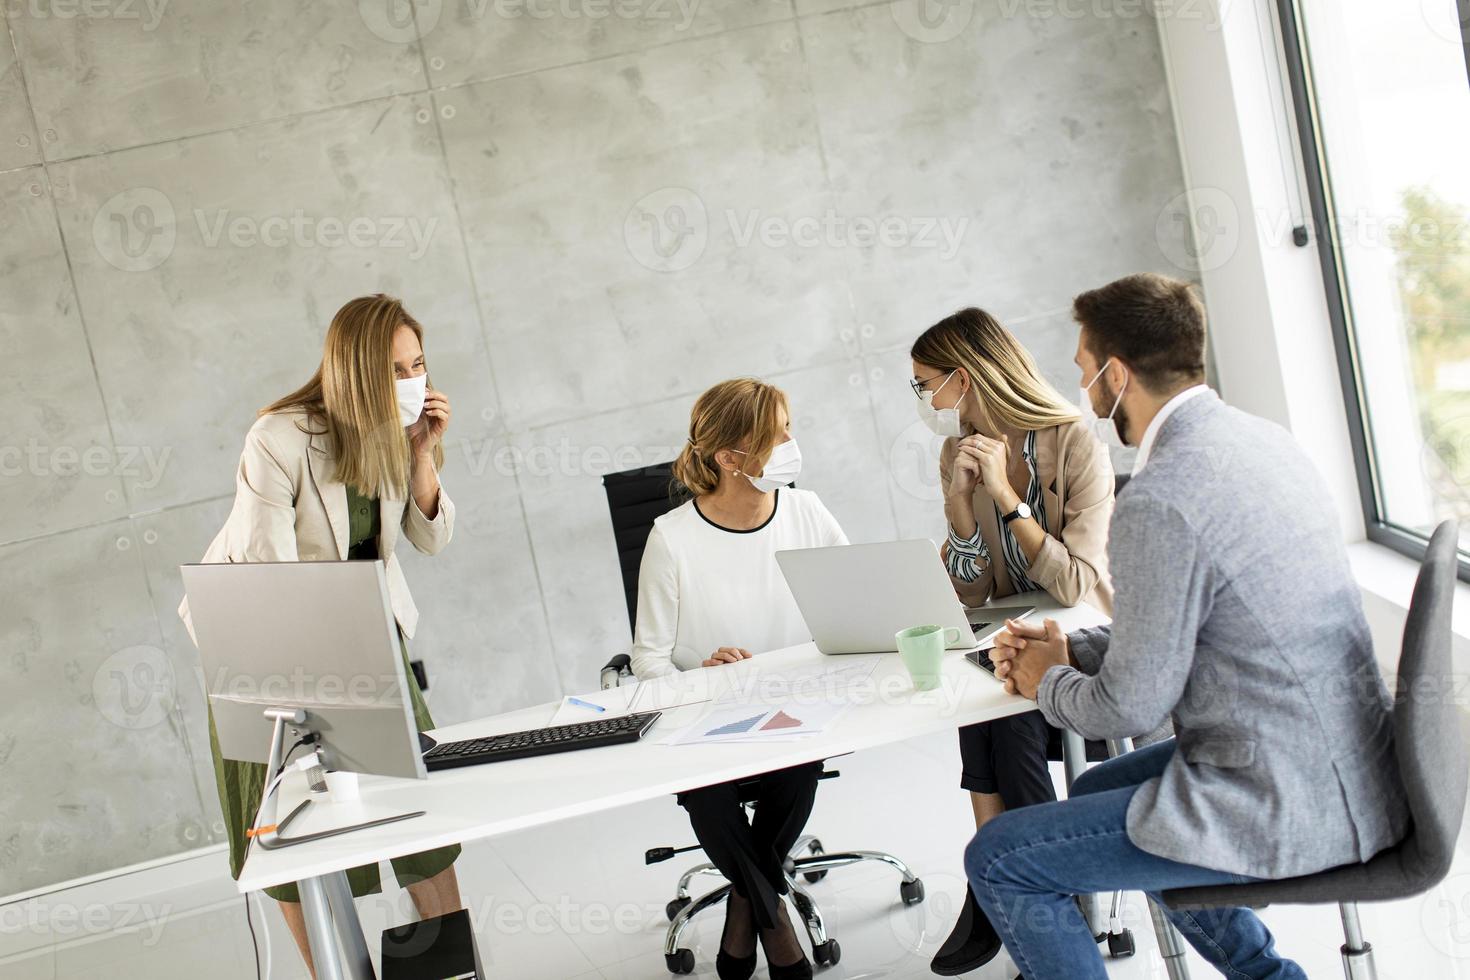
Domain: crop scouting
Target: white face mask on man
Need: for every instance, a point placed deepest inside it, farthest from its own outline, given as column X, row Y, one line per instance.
column 1111, row 435
column 943, row 422
column 783, row 466
column 411, row 393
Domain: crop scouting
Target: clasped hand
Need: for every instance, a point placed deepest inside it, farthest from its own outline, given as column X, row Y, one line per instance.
column 979, row 461
column 727, row 655
column 1024, row 652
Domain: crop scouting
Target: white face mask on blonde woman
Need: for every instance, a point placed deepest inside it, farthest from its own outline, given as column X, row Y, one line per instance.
column 411, row 394
column 943, row 422
column 782, row 467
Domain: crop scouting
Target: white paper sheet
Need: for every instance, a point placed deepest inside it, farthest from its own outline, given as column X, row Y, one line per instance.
column 758, row 723
column 659, row 694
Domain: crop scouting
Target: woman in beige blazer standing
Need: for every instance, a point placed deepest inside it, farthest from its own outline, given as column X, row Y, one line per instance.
column 1028, row 495
column 339, row 470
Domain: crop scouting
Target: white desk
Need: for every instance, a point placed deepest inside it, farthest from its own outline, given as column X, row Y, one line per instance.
column 481, row 801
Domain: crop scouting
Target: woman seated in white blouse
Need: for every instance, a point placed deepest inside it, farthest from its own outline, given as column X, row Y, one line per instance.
column 710, row 593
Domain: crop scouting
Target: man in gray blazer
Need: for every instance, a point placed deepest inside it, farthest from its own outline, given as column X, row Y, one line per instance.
column 1235, row 614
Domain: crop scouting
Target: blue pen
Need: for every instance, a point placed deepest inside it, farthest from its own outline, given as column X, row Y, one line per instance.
column 586, row 704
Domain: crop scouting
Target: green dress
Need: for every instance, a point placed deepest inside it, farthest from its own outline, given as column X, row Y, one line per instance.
column 241, row 783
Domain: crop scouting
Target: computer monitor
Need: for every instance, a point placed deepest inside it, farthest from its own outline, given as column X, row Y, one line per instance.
column 290, row 648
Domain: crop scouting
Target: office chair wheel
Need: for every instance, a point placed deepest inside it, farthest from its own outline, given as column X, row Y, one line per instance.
column 1121, row 945
column 912, row 892
column 827, row 954
column 815, row 848
column 675, row 907
column 680, row 961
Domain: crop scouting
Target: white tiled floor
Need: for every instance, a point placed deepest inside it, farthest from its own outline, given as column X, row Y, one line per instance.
column 574, row 900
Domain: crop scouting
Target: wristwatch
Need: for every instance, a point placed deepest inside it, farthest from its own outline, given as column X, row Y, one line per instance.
column 1022, row 511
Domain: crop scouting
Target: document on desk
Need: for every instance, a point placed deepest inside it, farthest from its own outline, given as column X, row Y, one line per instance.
column 656, row 694
column 776, row 705
column 838, row 680
column 758, row 723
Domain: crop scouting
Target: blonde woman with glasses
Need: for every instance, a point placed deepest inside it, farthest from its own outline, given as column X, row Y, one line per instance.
column 340, row 469
column 1028, row 494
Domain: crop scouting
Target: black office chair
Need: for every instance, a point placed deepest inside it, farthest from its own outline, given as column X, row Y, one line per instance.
column 635, row 498
column 1429, row 740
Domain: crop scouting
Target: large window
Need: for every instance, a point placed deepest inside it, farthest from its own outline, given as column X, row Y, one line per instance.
column 1383, row 109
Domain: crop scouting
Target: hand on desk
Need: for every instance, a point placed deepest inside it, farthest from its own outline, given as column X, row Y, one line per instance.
column 727, row 655
column 1024, row 652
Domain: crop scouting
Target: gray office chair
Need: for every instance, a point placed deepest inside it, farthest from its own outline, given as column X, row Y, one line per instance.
column 1429, row 741
column 634, row 499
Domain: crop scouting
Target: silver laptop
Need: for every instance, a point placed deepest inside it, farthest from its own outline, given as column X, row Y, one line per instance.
column 855, row 597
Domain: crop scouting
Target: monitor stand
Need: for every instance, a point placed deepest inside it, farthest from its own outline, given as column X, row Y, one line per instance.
column 271, row 835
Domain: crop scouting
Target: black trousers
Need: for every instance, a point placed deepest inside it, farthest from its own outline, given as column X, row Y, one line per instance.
column 1008, row 756
column 751, row 853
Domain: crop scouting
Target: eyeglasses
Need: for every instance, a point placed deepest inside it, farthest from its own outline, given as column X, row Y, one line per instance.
column 918, row 385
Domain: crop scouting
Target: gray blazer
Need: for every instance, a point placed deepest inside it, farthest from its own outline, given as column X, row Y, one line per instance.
column 1235, row 613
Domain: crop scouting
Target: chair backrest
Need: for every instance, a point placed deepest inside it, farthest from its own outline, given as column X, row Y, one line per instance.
column 635, row 498
column 1429, row 737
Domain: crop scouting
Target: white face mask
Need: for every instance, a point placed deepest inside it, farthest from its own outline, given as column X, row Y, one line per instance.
column 1110, row 435
column 941, row 421
column 782, row 467
column 411, row 393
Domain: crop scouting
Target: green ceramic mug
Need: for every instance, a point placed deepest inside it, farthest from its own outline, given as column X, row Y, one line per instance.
column 922, row 649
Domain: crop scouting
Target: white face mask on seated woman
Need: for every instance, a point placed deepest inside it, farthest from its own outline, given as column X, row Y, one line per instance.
column 941, row 421
column 782, row 467
column 411, row 394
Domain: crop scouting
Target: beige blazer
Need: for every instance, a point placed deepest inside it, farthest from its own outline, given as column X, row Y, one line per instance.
column 288, row 507
column 1077, row 490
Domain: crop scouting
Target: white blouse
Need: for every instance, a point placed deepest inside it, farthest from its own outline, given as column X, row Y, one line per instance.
column 702, row 586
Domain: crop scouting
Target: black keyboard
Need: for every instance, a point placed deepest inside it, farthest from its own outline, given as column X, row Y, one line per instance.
column 540, row 741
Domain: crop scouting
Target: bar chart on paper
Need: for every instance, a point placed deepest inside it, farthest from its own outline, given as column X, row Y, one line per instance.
column 740, row 727
column 771, row 705
column 742, row 723
column 781, row 720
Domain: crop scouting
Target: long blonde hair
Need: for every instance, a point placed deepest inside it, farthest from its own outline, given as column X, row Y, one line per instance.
column 1008, row 387
column 352, row 397
column 742, row 411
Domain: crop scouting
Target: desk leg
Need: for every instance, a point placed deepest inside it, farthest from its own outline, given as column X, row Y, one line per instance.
column 320, row 934
column 1074, row 764
column 349, row 927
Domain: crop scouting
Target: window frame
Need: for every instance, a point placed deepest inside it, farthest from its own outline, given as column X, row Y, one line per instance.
column 1324, row 227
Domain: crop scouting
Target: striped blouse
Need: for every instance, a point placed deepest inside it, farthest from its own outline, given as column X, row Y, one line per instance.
column 969, row 557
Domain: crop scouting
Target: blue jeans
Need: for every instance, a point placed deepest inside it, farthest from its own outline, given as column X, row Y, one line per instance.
column 1025, row 866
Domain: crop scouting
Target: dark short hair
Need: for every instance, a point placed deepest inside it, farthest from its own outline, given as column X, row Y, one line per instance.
column 1153, row 323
